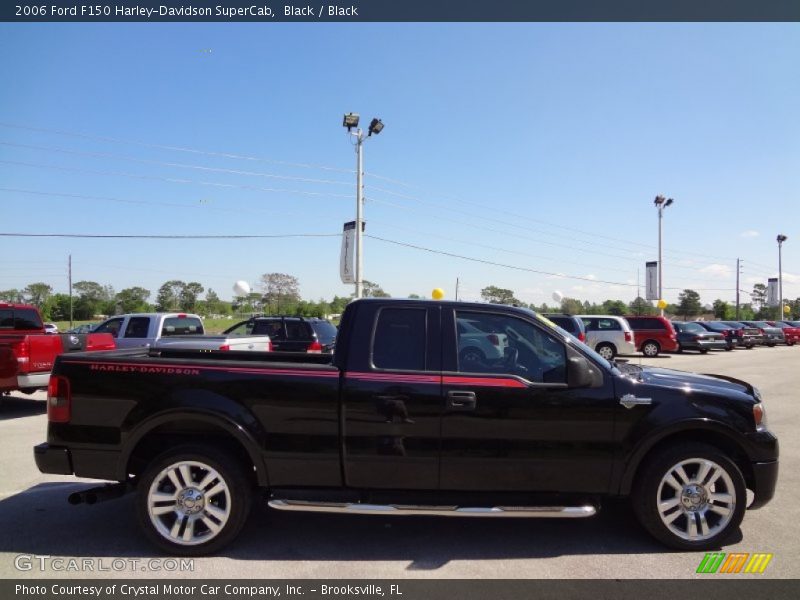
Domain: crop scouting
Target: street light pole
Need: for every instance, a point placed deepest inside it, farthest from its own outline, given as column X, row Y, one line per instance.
column 781, row 238
column 375, row 127
column 661, row 203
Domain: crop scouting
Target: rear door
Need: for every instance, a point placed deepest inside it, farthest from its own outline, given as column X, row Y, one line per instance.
column 512, row 424
column 137, row 332
column 391, row 398
column 298, row 335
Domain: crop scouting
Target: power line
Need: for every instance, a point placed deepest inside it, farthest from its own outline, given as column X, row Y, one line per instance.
column 173, row 180
column 168, row 237
column 175, row 148
column 176, row 165
column 527, row 269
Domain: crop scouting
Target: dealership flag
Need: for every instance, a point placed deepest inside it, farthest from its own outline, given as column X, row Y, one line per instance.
column 772, row 291
column 346, row 270
column 651, row 280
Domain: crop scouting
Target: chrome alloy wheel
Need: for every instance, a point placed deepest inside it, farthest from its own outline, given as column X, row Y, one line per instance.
column 606, row 352
column 650, row 349
column 696, row 499
column 189, row 503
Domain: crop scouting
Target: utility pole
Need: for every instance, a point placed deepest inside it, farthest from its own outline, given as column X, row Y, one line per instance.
column 781, row 238
column 376, row 126
column 738, row 271
column 70, row 291
column 456, row 289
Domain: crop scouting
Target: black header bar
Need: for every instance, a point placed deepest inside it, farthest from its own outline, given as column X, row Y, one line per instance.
column 321, row 11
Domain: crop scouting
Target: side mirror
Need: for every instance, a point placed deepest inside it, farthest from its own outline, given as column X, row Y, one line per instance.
column 579, row 372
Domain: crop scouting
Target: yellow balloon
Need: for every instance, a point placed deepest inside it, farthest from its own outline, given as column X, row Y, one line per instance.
column 787, row 309
column 437, row 293
column 662, row 303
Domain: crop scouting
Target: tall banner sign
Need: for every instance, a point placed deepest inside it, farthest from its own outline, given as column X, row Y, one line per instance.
column 346, row 258
column 772, row 292
column 651, row 280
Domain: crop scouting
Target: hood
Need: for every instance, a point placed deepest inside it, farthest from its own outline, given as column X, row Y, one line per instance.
column 714, row 384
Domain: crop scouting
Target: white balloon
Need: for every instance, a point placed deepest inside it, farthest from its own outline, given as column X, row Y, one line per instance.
column 558, row 296
column 242, row 288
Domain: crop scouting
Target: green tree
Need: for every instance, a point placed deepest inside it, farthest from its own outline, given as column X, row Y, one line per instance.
column 641, row 307
column 689, row 304
column 281, row 291
column 571, row 306
column 59, row 307
column 614, row 307
column 169, row 295
column 133, row 299
column 39, row 295
column 497, row 295
column 723, row 310
column 92, row 299
column 759, row 296
column 189, row 294
column 373, row 290
column 12, row 296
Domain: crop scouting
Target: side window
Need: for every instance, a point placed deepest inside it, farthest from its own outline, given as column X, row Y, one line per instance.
column 400, row 339
column 25, row 318
column 297, row 330
column 6, row 318
column 501, row 344
column 245, row 328
column 590, row 324
column 608, row 325
column 137, row 327
column 111, row 326
column 273, row 328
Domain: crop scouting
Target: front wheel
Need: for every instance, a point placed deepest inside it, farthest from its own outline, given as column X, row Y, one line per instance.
column 193, row 500
column 703, row 350
column 607, row 351
column 690, row 498
column 650, row 349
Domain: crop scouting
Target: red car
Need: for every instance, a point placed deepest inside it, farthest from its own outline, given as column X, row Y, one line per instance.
column 653, row 335
column 791, row 330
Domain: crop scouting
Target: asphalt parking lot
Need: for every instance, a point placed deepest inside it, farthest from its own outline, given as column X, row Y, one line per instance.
column 35, row 518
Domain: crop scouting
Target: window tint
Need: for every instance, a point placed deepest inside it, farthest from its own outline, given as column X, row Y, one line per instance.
column 27, row 318
column 605, row 325
column 111, row 326
column 6, row 318
column 182, row 326
column 271, row 327
column 326, row 332
column 244, row 328
column 137, row 327
column 297, row 330
column 400, row 336
column 502, row 344
column 690, row 327
column 566, row 323
column 639, row 324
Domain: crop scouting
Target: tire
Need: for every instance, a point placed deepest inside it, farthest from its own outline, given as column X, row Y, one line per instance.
column 471, row 355
column 680, row 349
column 666, row 502
column 651, row 349
column 201, row 529
column 703, row 350
column 606, row 350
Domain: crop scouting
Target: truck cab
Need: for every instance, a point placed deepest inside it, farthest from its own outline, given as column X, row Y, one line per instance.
column 144, row 329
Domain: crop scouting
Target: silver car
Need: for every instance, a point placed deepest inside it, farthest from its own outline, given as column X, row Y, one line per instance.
column 608, row 335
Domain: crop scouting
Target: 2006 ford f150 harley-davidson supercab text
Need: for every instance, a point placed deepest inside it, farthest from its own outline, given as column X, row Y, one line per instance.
column 411, row 416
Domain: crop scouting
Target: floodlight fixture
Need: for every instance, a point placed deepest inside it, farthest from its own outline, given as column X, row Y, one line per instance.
column 659, row 200
column 668, row 202
column 350, row 120
column 781, row 238
column 376, row 126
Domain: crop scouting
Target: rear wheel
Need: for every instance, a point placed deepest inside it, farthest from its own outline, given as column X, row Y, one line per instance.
column 193, row 500
column 606, row 350
column 703, row 350
column 651, row 348
column 690, row 498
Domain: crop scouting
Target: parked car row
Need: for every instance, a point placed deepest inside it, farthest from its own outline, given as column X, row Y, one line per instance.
column 610, row 335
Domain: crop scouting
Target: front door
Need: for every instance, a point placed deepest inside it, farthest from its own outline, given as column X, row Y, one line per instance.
column 510, row 421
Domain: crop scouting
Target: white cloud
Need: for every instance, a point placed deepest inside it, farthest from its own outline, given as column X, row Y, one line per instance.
column 717, row 270
column 749, row 233
column 591, row 276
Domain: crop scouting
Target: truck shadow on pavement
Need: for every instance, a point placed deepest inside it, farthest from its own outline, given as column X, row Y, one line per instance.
column 40, row 521
column 15, row 407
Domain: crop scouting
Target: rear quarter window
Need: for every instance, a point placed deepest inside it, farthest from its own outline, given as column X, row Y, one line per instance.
column 182, row 326
column 26, row 318
column 400, row 339
column 326, row 332
column 297, row 330
column 638, row 324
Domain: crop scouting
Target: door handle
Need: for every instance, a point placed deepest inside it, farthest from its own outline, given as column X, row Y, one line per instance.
column 457, row 400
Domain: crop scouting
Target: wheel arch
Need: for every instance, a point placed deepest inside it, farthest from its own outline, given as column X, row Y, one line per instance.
column 703, row 432
column 171, row 428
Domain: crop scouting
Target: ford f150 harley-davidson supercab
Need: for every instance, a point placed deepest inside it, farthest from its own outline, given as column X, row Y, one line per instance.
column 399, row 422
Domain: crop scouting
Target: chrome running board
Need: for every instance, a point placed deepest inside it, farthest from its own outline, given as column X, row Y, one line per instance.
column 354, row 508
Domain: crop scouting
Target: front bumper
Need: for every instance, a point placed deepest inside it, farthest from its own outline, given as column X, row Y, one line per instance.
column 765, row 479
column 56, row 461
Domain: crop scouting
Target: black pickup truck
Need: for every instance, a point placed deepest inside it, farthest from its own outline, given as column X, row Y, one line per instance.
column 426, row 408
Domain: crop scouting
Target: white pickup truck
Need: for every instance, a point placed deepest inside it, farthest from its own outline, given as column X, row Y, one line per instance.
column 175, row 330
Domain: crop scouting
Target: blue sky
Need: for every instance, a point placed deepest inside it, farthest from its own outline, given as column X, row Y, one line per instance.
column 539, row 146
